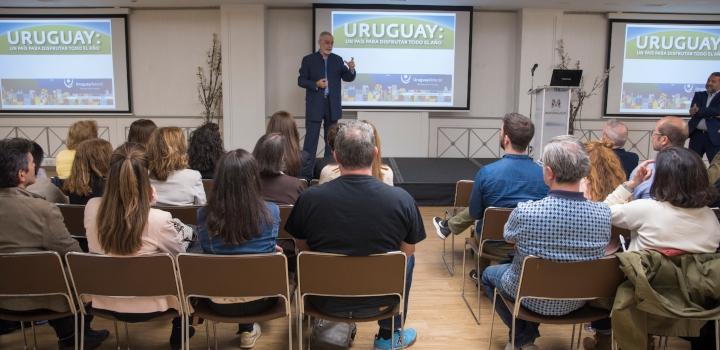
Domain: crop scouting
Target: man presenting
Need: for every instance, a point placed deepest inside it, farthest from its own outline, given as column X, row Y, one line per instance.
column 704, row 126
column 320, row 74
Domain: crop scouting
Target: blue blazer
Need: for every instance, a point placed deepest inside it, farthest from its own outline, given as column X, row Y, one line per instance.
column 312, row 69
column 708, row 113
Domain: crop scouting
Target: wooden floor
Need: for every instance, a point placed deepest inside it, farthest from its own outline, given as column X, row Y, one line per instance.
column 436, row 311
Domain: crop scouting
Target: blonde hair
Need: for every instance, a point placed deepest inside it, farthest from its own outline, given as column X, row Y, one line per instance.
column 606, row 171
column 81, row 131
column 125, row 207
column 166, row 152
column 92, row 157
column 377, row 166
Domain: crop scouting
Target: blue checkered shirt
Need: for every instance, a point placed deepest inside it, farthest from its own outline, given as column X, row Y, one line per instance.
column 563, row 226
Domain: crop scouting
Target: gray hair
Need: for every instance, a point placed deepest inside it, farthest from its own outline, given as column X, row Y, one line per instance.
column 616, row 132
column 355, row 145
column 324, row 33
column 567, row 158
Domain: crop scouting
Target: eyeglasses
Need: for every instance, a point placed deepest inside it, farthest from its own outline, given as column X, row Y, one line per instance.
column 657, row 134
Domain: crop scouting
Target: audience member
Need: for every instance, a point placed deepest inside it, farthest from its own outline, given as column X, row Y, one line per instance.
column 606, row 172
column 331, row 170
column 87, row 178
column 79, row 132
column 380, row 171
column 343, row 217
column 174, row 183
column 617, row 133
column 122, row 223
column 30, row 223
column 277, row 187
column 513, row 179
column 669, row 131
column 579, row 231
column 283, row 123
column 43, row 186
column 237, row 221
column 205, row 148
column 140, row 131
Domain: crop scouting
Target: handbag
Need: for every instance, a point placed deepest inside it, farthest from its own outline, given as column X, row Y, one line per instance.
column 332, row 335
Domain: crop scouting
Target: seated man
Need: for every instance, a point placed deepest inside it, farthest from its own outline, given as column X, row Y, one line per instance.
column 29, row 223
column 43, row 186
column 563, row 226
column 358, row 215
column 513, row 179
column 616, row 132
column 669, row 131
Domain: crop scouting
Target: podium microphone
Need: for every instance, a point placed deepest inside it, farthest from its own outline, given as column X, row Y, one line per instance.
column 532, row 87
column 532, row 70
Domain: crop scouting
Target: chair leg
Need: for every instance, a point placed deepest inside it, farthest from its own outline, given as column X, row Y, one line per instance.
column 77, row 344
column 392, row 334
column 207, row 333
column 309, row 331
column 82, row 331
column 512, row 332
column 717, row 334
column 35, row 345
column 117, row 336
column 479, row 293
column 22, row 326
column 492, row 320
column 572, row 337
column 462, row 292
column 215, row 334
column 579, row 337
column 127, row 336
column 289, row 330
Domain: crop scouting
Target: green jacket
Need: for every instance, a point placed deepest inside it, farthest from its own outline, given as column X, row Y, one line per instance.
column 662, row 294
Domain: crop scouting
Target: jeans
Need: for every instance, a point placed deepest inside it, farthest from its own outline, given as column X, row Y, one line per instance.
column 385, row 324
column 525, row 331
column 243, row 309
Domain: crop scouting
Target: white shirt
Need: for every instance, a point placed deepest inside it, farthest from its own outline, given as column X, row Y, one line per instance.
column 182, row 187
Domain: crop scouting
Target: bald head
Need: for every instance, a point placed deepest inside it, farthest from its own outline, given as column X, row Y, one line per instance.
column 616, row 132
column 669, row 131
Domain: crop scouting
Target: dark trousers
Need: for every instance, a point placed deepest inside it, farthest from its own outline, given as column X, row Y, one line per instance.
column 701, row 144
column 243, row 309
column 385, row 324
column 312, row 135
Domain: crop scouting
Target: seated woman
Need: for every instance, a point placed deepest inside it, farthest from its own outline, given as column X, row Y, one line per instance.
column 606, row 171
column 206, row 147
column 78, row 132
column 237, row 221
column 87, row 178
column 283, row 123
column 379, row 170
column 140, row 131
column 277, row 187
column 169, row 174
column 122, row 223
column 330, row 171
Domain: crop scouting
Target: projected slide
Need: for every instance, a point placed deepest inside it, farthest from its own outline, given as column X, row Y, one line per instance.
column 57, row 65
column 407, row 59
column 661, row 66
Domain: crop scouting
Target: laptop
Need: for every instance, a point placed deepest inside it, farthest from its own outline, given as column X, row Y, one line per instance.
column 566, row 77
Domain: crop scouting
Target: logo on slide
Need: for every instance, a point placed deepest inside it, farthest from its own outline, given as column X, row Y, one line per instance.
column 68, row 83
column 405, row 78
column 689, row 88
column 555, row 103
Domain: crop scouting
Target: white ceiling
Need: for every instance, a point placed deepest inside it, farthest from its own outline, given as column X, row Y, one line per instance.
column 652, row 6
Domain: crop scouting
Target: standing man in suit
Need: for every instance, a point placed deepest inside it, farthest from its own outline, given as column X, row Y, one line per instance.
column 704, row 125
column 320, row 74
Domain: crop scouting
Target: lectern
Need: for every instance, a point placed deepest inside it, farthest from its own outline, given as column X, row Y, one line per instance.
column 551, row 115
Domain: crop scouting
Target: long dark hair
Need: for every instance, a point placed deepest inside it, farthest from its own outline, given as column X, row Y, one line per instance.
column 140, row 131
column 236, row 211
column 681, row 179
column 205, row 148
column 268, row 153
column 283, row 123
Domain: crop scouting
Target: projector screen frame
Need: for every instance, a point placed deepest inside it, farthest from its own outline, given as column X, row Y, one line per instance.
column 611, row 21
column 468, row 9
column 46, row 112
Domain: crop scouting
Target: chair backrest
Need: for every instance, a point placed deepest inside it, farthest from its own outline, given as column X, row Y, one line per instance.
column 285, row 210
column 547, row 279
column 73, row 216
column 493, row 223
column 126, row 276
column 186, row 213
column 34, row 274
column 341, row 275
column 252, row 275
column 463, row 189
column 207, row 185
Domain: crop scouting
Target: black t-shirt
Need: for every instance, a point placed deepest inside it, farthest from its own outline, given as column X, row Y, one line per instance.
column 356, row 215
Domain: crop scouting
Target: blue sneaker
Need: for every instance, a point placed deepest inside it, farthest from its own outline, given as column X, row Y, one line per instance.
column 408, row 339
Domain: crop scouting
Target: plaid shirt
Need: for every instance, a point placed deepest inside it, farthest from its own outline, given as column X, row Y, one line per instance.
column 563, row 226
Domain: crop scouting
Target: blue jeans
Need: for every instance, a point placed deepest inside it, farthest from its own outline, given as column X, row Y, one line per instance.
column 525, row 331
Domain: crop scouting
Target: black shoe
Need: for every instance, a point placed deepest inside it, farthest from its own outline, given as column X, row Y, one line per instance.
column 474, row 276
column 176, row 336
column 441, row 227
column 93, row 339
column 8, row 326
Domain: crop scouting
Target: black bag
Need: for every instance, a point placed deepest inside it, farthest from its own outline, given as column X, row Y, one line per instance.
column 332, row 335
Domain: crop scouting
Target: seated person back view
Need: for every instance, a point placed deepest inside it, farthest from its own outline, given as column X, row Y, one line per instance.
column 87, row 177
column 564, row 226
column 616, row 132
column 31, row 224
column 358, row 215
column 277, row 186
column 43, row 186
column 173, row 181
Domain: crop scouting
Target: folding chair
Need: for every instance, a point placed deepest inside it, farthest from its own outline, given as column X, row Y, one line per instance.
column 493, row 226
column 550, row 280
column 253, row 275
column 463, row 189
column 186, row 213
column 322, row 274
column 74, row 216
column 35, row 275
column 208, row 185
column 113, row 276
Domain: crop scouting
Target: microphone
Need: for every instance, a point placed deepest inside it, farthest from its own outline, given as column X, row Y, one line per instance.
column 532, row 70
